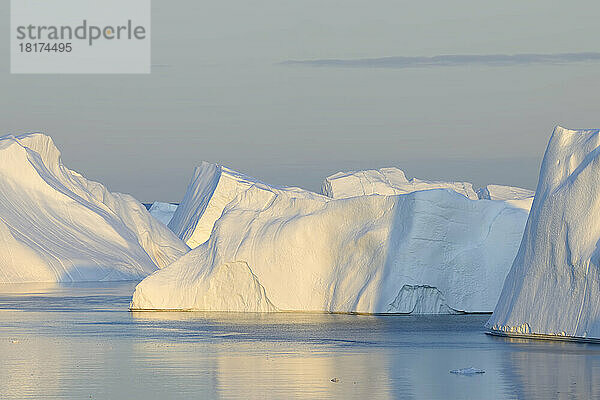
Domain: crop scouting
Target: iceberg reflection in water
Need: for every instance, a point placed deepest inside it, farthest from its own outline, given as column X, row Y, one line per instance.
column 79, row 341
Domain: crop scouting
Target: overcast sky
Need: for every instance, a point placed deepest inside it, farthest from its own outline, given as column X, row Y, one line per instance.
column 374, row 88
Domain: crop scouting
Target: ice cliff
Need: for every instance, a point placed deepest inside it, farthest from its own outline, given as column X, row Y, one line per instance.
column 432, row 251
column 385, row 181
column 55, row 225
column 554, row 284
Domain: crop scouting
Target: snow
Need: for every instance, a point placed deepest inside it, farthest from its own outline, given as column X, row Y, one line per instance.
column 213, row 187
column 516, row 196
column 163, row 211
column 55, row 225
column 385, row 181
column 554, row 284
column 432, row 251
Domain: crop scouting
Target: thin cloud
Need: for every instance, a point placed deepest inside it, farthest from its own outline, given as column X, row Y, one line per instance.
column 494, row 60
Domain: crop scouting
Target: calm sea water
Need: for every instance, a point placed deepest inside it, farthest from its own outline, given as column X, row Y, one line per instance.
column 80, row 342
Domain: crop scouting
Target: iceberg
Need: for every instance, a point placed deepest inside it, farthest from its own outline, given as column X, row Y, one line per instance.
column 163, row 211
column 213, row 187
column 57, row 226
column 385, row 181
column 553, row 287
column 427, row 252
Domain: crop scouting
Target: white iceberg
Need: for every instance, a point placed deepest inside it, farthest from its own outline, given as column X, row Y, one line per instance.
column 518, row 197
column 432, row 251
column 55, row 225
column 385, row 181
column 213, row 187
column 162, row 211
column 553, row 286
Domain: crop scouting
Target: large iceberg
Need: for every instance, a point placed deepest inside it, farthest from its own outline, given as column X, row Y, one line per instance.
column 385, row 181
column 554, row 284
column 432, row 251
column 55, row 225
column 213, row 187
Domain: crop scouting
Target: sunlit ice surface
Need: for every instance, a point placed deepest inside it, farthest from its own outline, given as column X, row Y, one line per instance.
column 79, row 341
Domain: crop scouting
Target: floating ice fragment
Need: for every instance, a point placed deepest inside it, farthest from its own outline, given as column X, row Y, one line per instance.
column 467, row 371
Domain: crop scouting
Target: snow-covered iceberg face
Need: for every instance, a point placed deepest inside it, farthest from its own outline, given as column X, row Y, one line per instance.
column 516, row 196
column 55, row 225
column 385, row 181
column 430, row 251
column 501, row 192
column 554, row 283
column 213, row 187
column 163, row 211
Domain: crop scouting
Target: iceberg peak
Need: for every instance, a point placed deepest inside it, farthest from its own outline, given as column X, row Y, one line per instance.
column 385, row 181
column 55, row 225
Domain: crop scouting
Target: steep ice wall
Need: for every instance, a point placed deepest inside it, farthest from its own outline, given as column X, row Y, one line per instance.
column 162, row 211
column 385, row 181
column 212, row 187
column 554, row 284
column 424, row 252
column 516, row 196
column 55, row 225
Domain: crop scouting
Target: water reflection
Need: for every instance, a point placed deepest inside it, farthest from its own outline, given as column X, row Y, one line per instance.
column 282, row 355
column 557, row 370
column 73, row 342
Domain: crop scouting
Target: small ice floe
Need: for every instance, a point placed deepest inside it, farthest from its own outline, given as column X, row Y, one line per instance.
column 467, row 371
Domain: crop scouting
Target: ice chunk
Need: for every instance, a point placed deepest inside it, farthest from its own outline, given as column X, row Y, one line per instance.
column 467, row 371
column 426, row 251
column 385, row 181
column 55, row 225
column 554, row 284
column 163, row 211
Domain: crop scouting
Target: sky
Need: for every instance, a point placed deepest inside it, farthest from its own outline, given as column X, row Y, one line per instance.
column 293, row 91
